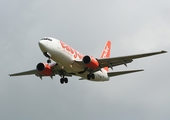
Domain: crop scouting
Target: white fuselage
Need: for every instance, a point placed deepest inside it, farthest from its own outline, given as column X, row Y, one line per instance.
column 66, row 56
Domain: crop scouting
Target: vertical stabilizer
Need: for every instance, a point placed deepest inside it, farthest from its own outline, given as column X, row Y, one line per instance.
column 106, row 52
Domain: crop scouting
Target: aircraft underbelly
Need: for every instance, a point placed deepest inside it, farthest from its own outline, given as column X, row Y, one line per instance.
column 66, row 61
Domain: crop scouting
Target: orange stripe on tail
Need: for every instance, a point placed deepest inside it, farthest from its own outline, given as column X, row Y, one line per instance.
column 106, row 52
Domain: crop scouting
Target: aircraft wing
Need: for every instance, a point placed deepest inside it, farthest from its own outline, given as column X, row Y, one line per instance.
column 115, row 61
column 55, row 69
column 111, row 62
column 110, row 74
column 30, row 72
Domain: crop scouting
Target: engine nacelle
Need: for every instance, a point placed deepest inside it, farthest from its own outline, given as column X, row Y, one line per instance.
column 44, row 69
column 90, row 62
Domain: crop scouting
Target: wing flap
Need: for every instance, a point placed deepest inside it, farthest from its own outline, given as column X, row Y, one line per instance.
column 110, row 74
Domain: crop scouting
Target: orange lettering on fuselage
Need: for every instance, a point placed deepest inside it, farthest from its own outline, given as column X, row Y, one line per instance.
column 71, row 50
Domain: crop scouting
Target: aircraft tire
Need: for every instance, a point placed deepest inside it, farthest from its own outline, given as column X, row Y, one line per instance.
column 88, row 76
column 92, row 76
column 66, row 80
column 62, row 81
column 49, row 61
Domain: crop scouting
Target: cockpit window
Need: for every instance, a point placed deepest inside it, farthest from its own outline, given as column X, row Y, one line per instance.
column 46, row 39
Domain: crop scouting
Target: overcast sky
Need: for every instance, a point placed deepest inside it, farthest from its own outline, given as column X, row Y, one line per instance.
column 133, row 27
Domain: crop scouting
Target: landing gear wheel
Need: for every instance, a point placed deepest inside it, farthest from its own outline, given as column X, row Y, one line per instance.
column 89, row 76
column 65, row 80
column 48, row 61
column 61, row 80
column 92, row 76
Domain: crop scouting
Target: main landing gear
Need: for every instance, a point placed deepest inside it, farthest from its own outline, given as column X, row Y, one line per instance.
column 63, row 80
column 90, row 76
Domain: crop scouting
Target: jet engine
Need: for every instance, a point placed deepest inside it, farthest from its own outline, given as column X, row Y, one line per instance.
column 44, row 69
column 90, row 62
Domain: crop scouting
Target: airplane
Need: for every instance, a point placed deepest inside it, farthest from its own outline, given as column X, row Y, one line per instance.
column 69, row 62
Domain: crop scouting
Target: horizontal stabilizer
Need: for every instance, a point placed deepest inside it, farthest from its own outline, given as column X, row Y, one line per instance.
column 110, row 74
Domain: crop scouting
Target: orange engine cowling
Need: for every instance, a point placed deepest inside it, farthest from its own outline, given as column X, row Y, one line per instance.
column 44, row 69
column 90, row 62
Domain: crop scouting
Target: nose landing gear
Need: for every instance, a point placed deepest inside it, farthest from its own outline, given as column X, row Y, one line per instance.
column 48, row 56
column 49, row 60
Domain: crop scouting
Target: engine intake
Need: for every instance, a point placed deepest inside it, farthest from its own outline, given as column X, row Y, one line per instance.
column 40, row 66
column 90, row 62
column 86, row 59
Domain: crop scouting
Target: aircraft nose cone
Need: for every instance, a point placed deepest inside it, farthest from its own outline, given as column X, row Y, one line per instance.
column 42, row 46
column 40, row 43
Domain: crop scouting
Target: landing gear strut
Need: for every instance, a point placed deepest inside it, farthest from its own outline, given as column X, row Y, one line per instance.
column 89, row 76
column 48, row 56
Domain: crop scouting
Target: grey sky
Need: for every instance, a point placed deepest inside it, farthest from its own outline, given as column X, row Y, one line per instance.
column 133, row 27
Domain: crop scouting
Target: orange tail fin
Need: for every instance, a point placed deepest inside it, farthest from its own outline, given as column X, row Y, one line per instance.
column 106, row 52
